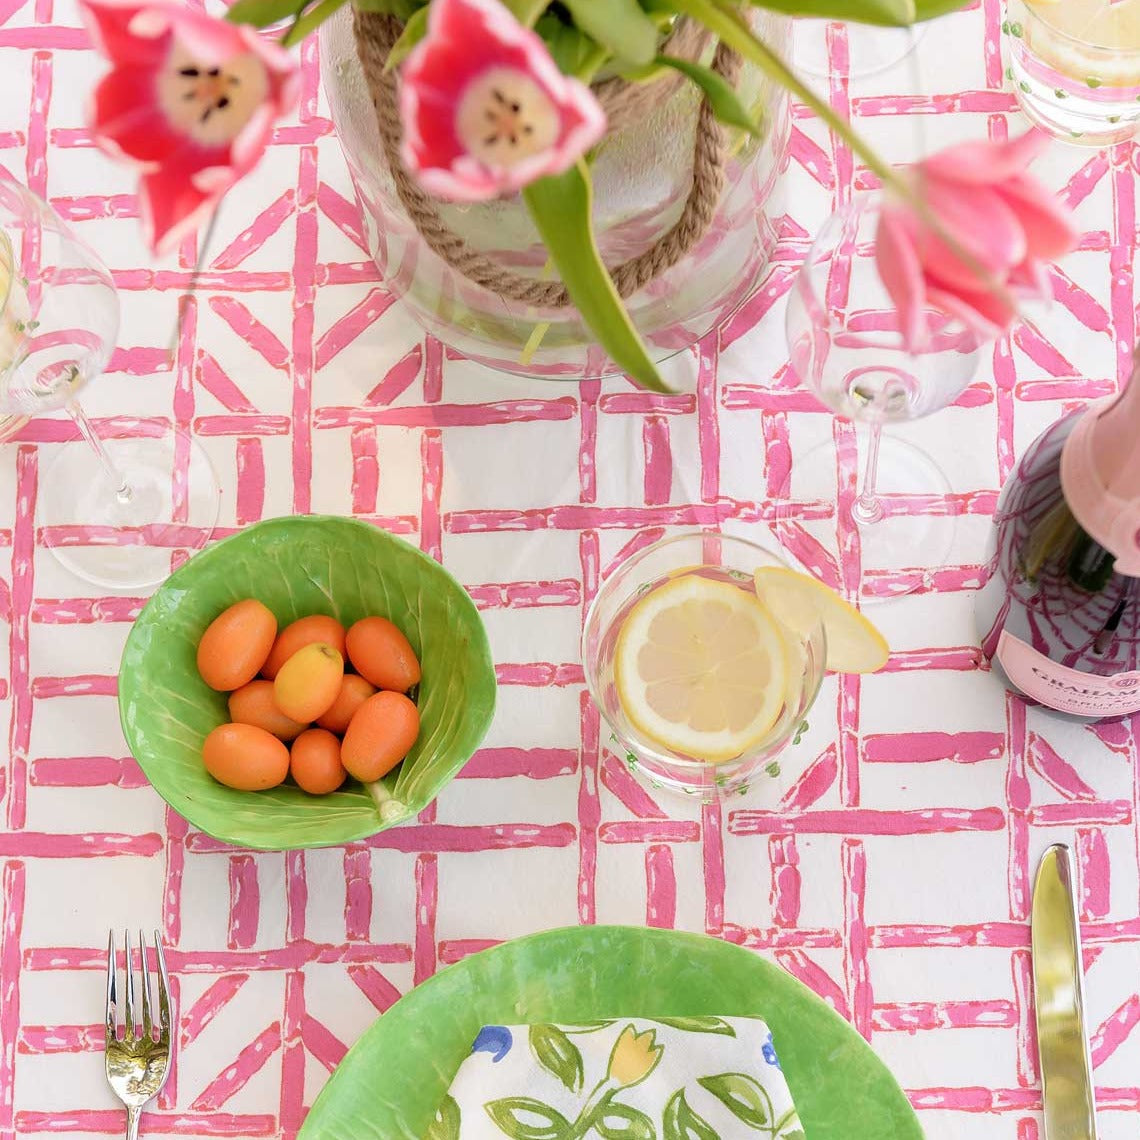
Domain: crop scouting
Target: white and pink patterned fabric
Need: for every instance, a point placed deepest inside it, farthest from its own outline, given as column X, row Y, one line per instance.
column 888, row 866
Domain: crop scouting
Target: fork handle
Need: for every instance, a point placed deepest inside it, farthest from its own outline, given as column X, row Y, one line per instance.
column 133, row 1115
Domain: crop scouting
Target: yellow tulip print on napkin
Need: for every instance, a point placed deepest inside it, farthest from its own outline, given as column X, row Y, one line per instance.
column 686, row 1078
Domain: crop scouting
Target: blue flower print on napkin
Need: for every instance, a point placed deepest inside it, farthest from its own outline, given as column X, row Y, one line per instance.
column 493, row 1039
column 769, row 1051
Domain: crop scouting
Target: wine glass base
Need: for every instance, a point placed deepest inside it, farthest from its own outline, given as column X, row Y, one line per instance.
column 870, row 50
column 892, row 557
column 128, row 543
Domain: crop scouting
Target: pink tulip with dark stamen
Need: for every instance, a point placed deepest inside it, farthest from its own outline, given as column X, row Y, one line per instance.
column 485, row 109
column 190, row 100
column 1008, row 225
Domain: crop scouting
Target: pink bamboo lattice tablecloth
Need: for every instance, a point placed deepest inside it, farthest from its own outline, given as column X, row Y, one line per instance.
column 889, row 865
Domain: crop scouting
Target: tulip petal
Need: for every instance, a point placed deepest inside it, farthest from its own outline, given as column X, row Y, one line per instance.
column 1050, row 231
column 901, row 273
column 1031, row 279
column 171, row 206
column 987, row 229
column 454, row 28
column 987, row 312
column 485, row 109
column 108, row 23
column 163, row 54
column 125, row 119
column 984, row 162
column 249, row 145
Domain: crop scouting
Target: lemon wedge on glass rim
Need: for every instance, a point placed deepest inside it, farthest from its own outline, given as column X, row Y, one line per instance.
column 854, row 645
column 701, row 668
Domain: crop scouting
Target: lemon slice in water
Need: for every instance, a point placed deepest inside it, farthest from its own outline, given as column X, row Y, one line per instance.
column 700, row 668
column 854, row 645
column 1098, row 41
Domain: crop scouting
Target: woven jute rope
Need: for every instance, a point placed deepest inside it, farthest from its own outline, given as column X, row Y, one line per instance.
column 625, row 103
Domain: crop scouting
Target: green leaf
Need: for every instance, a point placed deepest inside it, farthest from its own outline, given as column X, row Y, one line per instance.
column 560, row 206
column 527, row 11
column 680, row 1122
column 262, row 13
column 311, row 20
column 414, row 30
column 891, row 13
column 620, row 25
column 401, row 9
column 571, row 49
column 623, row 1122
column 929, row 9
column 724, row 21
column 699, row 1025
column 446, row 1123
column 795, row 1134
column 558, row 1055
column 743, row 1096
column 524, row 1118
column 720, row 94
column 300, row 565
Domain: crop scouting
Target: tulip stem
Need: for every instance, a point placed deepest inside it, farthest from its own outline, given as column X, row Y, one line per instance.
column 724, row 19
column 596, row 1103
column 192, row 285
column 868, row 508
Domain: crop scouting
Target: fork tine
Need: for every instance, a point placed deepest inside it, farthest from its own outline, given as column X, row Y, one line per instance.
column 111, row 998
column 163, row 992
column 129, row 991
column 147, row 1026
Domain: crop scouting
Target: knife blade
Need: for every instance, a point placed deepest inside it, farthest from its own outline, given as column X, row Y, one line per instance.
column 1058, row 983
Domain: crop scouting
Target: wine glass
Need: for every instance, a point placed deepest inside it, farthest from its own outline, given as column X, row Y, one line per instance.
column 850, row 49
column 846, row 344
column 113, row 512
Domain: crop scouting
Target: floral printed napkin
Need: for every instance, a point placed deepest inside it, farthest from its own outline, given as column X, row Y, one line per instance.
column 684, row 1078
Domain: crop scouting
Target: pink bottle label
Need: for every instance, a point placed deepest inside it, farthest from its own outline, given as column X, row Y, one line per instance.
column 1067, row 690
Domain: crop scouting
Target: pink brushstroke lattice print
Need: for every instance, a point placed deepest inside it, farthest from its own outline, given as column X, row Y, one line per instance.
column 888, row 866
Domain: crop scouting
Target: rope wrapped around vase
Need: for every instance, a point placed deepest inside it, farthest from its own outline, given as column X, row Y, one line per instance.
column 625, row 103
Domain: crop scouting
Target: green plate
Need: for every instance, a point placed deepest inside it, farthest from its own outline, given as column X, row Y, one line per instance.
column 391, row 1082
column 306, row 564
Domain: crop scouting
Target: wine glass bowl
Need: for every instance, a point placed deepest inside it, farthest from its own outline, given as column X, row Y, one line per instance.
column 117, row 512
column 853, row 50
column 845, row 338
column 60, row 307
column 846, row 344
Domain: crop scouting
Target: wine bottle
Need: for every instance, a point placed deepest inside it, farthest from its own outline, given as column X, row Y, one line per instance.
column 1059, row 615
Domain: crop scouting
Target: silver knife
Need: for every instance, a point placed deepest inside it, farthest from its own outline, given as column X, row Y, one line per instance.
column 1058, row 982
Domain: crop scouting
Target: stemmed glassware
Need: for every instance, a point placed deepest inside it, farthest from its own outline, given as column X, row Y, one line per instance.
column 869, row 49
column 112, row 511
column 846, row 344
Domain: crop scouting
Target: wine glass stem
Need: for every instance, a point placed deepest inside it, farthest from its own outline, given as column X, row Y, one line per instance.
column 868, row 509
column 117, row 479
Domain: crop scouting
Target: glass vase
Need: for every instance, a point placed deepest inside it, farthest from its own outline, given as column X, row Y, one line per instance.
column 642, row 176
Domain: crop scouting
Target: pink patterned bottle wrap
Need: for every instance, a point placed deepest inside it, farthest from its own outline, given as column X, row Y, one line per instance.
column 1067, row 690
column 1100, row 473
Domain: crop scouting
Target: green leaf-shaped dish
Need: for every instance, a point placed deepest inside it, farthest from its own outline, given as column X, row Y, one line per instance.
column 392, row 1081
column 307, row 564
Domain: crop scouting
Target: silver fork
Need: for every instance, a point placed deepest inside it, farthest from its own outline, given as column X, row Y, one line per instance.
column 139, row 1061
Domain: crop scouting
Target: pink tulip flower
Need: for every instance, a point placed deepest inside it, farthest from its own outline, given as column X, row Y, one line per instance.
column 1007, row 223
column 485, row 109
column 190, row 100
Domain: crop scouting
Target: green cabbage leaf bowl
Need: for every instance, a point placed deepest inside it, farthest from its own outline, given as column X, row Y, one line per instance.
column 305, row 564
